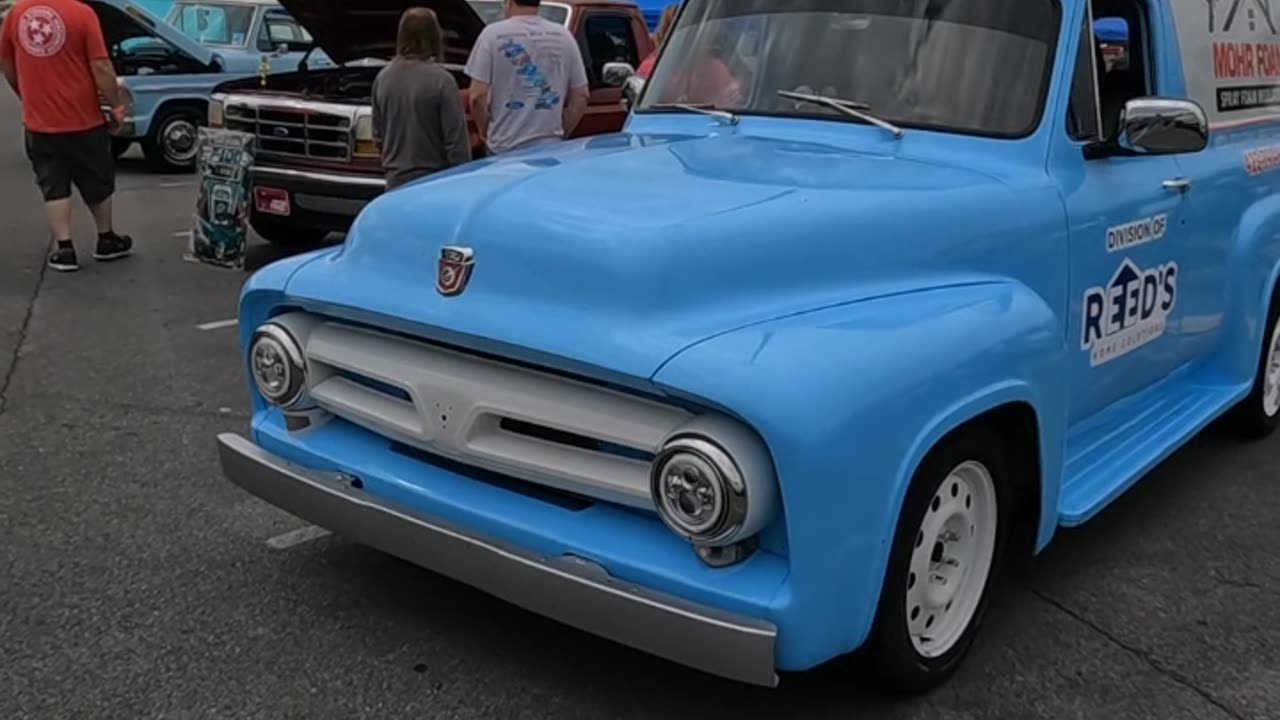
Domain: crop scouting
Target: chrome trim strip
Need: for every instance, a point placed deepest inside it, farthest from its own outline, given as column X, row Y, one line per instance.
column 285, row 102
column 333, row 178
column 155, row 89
column 568, row 589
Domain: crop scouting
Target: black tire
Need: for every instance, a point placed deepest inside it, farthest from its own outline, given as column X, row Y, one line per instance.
column 890, row 653
column 1249, row 418
column 173, row 142
column 282, row 234
column 120, row 146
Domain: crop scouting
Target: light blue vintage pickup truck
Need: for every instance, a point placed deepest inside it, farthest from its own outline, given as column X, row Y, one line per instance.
column 867, row 299
column 170, row 66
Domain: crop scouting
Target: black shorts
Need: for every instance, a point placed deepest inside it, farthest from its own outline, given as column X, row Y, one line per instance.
column 82, row 158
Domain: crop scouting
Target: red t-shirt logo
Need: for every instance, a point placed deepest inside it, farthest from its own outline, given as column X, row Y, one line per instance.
column 41, row 31
column 53, row 45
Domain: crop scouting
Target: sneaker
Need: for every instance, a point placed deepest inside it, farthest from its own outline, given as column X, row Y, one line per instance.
column 113, row 247
column 63, row 259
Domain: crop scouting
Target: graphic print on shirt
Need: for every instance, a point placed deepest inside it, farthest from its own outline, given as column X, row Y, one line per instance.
column 41, row 31
column 548, row 98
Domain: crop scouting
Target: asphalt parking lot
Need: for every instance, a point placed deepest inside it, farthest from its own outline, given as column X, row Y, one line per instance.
column 136, row 583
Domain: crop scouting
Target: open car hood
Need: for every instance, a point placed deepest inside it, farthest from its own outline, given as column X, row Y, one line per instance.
column 123, row 20
column 358, row 29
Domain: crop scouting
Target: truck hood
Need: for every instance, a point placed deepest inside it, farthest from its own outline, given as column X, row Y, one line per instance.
column 353, row 30
column 616, row 252
column 123, row 20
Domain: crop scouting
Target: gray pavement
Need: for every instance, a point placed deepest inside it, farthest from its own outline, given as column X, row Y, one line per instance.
column 136, row 583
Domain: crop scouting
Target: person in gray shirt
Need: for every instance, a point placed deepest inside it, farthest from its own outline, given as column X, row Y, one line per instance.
column 528, row 81
column 418, row 118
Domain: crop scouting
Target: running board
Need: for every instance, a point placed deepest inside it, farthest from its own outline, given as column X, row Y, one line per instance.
column 1112, row 451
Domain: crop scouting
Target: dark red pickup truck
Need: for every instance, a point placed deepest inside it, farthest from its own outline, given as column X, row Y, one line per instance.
column 317, row 163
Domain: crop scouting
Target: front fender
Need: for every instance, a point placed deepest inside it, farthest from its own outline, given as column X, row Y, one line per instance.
column 151, row 93
column 263, row 297
column 849, row 399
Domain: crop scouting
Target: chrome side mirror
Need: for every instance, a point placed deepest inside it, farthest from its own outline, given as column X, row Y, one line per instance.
column 615, row 74
column 1157, row 126
column 1161, row 126
column 631, row 90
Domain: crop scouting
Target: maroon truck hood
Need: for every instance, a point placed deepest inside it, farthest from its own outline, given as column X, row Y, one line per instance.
column 352, row 29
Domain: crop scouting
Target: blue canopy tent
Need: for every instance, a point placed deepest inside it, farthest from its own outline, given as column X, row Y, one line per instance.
column 652, row 11
column 1110, row 30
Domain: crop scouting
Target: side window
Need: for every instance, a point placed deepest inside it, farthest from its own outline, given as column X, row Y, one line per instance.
column 1119, row 45
column 1082, row 112
column 281, row 29
column 606, row 38
column 1113, row 40
column 204, row 24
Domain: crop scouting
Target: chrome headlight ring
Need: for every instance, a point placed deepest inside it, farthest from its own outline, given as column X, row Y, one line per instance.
column 714, row 484
column 699, row 490
column 278, row 367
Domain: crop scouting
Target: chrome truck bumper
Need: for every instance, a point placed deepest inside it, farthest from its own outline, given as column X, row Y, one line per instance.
column 568, row 589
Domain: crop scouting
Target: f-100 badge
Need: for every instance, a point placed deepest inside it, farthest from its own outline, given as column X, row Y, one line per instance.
column 456, row 264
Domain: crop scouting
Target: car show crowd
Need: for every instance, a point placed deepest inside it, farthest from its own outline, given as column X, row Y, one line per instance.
column 527, row 84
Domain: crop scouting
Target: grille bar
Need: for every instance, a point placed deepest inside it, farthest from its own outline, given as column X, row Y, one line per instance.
column 293, row 132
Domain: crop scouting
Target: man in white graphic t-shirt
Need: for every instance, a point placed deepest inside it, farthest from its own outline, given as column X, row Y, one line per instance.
column 528, row 82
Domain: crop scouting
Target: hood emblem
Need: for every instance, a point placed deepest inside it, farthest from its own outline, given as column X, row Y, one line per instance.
column 454, row 269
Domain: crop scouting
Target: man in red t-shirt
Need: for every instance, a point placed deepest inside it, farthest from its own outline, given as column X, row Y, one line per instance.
column 53, row 56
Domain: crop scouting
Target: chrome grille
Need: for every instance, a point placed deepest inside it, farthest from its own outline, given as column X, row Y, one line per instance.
column 292, row 131
column 518, row 422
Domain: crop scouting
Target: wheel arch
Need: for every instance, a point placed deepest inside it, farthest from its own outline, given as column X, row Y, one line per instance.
column 1007, row 411
column 199, row 104
column 1254, row 267
column 145, row 122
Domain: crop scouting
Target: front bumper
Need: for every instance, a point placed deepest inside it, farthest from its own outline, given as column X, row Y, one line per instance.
column 318, row 200
column 568, row 589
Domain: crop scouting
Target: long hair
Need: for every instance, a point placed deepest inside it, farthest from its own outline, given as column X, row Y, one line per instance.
column 419, row 36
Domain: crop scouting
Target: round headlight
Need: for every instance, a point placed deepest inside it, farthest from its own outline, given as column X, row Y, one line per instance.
column 712, row 482
column 698, row 490
column 278, row 367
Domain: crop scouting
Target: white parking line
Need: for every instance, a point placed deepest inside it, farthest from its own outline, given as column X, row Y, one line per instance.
column 297, row 537
column 218, row 324
column 176, row 184
column 182, row 234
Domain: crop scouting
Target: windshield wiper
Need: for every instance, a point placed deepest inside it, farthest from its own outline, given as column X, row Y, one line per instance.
column 704, row 108
column 852, row 108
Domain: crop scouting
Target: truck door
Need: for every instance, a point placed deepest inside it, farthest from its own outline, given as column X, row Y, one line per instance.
column 1126, row 217
column 606, row 35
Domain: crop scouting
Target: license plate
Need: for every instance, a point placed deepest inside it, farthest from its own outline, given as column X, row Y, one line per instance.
column 271, row 200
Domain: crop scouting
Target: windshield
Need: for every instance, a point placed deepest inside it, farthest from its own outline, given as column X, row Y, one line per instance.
column 213, row 24
column 971, row 66
column 491, row 11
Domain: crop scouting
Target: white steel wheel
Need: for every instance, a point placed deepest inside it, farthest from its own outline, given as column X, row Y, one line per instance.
column 1258, row 414
column 1271, row 375
column 954, row 548
column 945, row 558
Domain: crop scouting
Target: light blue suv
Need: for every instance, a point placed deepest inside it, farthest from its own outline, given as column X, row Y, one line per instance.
column 169, row 67
column 866, row 298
